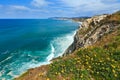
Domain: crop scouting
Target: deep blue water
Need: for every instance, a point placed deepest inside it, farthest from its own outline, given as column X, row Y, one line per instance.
column 28, row 43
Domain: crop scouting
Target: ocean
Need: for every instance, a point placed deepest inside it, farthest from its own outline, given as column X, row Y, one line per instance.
column 29, row 43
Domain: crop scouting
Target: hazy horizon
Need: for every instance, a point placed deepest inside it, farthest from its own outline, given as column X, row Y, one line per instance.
column 42, row 9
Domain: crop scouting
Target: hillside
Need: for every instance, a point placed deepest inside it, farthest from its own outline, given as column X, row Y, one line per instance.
column 77, row 19
column 94, row 54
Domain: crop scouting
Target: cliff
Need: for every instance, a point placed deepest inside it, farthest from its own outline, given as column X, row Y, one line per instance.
column 91, row 31
column 95, row 54
column 77, row 19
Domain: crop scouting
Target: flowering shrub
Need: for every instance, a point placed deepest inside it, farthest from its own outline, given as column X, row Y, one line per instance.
column 96, row 62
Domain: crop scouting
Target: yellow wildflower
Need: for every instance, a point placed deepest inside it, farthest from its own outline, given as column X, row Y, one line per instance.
column 81, row 76
column 113, row 66
column 115, row 75
column 97, row 72
column 92, row 59
column 62, row 71
column 56, row 73
column 89, row 66
column 63, row 79
column 40, row 74
column 100, row 60
column 113, row 60
column 108, row 58
column 48, row 79
column 113, row 71
column 78, row 61
column 86, row 62
column 95, row 55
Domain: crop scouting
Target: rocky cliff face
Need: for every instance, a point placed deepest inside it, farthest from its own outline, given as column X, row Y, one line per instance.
column 103, row 33
column 91, row 31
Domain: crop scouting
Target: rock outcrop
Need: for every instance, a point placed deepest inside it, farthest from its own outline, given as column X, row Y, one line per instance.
column 103, row 34
column 91, row 31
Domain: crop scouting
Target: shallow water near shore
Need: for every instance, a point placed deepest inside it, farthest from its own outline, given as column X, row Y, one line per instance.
column 29, row 43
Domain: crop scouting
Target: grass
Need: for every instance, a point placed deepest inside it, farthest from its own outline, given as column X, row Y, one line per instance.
column 98, row 62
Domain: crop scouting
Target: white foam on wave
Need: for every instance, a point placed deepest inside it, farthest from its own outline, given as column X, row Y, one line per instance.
column 57, row 47
column 33, row 65
column 25, row 66
column 62, row 43
column 1, row 73
column 51, row 56
column 6, row 59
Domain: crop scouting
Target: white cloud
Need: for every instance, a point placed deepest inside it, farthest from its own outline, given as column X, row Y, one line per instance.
column 40, row 3
column 91, row 5
column 78, row 3
column 63, row 7
column 17, row 7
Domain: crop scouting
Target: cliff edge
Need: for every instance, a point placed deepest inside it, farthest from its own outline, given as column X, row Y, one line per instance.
column 95, row 54
column 92, row 30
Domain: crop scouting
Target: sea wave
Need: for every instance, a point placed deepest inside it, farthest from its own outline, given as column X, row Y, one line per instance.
column 62, row 43
column 27, row 60
column 51, row 56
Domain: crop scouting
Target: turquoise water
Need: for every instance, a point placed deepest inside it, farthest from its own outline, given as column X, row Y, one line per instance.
column 29, row 43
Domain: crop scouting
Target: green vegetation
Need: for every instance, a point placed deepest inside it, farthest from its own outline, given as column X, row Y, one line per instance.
column 98, row 62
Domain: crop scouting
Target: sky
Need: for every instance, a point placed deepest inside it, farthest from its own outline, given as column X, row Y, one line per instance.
column 56, row 8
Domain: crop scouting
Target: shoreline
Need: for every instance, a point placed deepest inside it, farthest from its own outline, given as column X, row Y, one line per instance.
column 49, row 61
column 33, row 54
column 63, row 53
column 88, row 48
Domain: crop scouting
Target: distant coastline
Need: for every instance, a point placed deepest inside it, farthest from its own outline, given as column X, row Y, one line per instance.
column 88, row 49
column 77, row 19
